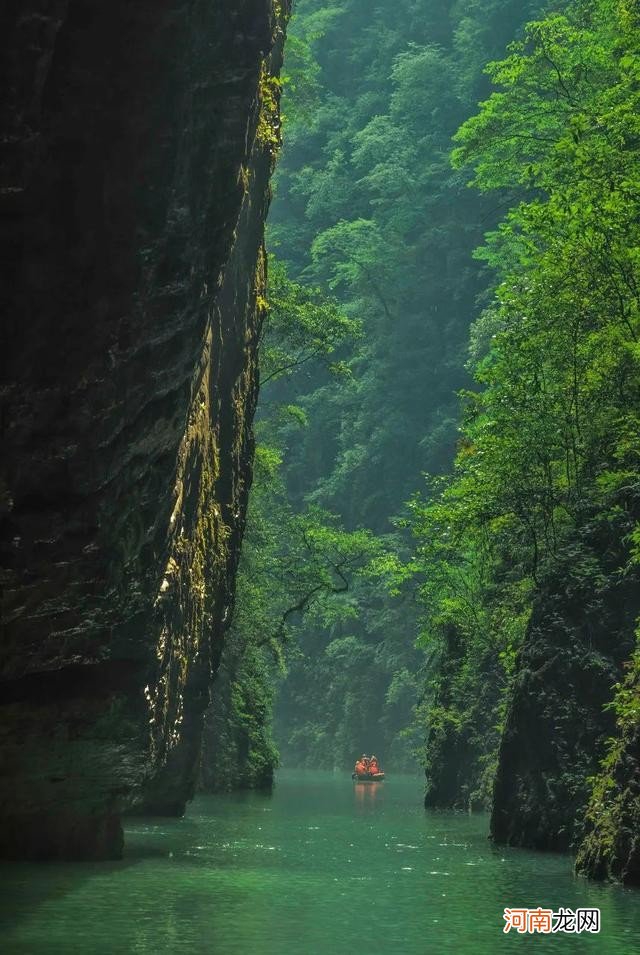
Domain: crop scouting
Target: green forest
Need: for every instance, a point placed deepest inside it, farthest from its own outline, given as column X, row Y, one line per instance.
column 443, row 528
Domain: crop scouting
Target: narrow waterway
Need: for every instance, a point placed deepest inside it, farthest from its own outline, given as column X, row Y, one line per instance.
column 322, row 866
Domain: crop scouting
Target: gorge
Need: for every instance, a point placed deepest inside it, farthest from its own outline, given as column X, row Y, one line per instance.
column 372, row 484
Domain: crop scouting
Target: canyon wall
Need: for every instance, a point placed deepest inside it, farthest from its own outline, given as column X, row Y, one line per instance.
column 138, row 142
column 560, row 718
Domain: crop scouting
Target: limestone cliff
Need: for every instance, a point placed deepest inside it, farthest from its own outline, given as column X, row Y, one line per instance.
column 137, row 144
column 558, row 721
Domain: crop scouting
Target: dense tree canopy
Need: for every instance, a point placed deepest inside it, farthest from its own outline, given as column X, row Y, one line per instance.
column 546, row 472
column 369, row 207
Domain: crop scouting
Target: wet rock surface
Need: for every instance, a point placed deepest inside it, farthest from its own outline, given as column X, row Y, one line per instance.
column 133, row 193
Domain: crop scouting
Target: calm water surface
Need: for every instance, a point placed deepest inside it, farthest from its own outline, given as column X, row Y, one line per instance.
column 323, row 866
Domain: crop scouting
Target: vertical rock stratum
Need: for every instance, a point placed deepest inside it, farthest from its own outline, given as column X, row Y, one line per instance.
column 137, row 146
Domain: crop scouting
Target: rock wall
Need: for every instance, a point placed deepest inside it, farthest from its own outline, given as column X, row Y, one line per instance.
column 461, row 752
column 137, row 145
column 558, row 721
column 238, row 749
column 610, row 848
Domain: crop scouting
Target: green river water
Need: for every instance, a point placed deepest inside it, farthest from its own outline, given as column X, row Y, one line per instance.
column 322, row 866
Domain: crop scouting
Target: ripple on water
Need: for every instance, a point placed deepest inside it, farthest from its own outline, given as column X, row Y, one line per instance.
column 232, row 887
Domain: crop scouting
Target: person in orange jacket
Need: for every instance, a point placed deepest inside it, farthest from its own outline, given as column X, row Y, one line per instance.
column 360, row 767
column 373, row 765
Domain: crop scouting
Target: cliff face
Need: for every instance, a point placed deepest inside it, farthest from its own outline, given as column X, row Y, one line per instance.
column 460, row 752
column 138, row 144
column 611, row 846
column 238, row 751
column 558, row 722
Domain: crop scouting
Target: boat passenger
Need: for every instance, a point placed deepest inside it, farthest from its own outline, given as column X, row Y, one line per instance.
column 360, row 768
column 373, row 765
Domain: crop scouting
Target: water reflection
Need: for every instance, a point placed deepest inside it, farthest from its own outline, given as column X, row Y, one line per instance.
column 368, row 794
